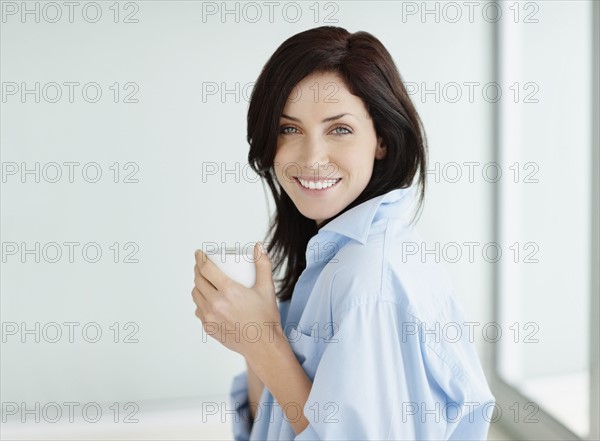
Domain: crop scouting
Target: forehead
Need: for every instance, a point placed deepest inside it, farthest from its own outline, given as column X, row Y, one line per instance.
column 322, row 93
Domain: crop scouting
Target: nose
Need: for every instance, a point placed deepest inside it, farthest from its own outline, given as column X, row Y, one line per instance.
column 314, row 156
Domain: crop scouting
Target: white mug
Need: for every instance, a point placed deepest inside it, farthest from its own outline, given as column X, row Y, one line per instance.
column 240, row 266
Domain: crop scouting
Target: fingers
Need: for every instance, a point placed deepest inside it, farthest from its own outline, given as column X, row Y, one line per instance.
column 210, row 271
column 264, row 274
column 202, row 283
column 202, row 289
column 201, row 304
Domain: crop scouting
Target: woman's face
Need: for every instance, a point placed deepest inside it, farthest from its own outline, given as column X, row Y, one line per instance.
column 326, row 135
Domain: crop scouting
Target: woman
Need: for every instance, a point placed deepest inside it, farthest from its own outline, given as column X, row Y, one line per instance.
column 350, row 346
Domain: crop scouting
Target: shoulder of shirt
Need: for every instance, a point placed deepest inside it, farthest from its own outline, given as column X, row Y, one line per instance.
column 421, row 295
column 420, row 292
column 384, row 267
column 357, row 270
column 377, row 263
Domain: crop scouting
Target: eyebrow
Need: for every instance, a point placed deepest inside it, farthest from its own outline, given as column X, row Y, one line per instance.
column 331, row 118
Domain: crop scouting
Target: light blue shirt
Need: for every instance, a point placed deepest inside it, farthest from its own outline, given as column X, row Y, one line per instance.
column 378, row 329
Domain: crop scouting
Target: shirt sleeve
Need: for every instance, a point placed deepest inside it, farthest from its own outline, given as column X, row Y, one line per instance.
column 375, row 381
column 238, row 394
column 238, row 397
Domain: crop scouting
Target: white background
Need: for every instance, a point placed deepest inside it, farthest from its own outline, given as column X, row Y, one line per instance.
column 173, row 54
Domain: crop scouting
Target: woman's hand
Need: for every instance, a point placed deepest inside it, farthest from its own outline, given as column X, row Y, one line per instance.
column 244, row 320
column 247, row 321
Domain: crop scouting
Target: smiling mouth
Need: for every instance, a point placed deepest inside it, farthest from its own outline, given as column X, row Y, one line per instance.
column 325, row 184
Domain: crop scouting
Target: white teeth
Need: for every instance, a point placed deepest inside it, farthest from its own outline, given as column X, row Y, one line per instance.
column 319, row 185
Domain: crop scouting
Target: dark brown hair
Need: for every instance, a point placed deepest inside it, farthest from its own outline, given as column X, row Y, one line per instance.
column 369, row 72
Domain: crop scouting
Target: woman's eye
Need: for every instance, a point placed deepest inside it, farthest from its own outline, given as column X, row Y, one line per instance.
column 284, row 130
column 287, row 130
column 347, row 131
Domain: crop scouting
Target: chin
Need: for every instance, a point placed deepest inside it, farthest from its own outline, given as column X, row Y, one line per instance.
column 321, row 216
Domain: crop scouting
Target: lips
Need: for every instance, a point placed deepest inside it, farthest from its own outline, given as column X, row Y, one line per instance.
column 317, row 190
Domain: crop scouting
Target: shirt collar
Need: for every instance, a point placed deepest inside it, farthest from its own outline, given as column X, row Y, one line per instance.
column 356, row 222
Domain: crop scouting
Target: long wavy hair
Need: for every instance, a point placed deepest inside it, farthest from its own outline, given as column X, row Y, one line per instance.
column 368, row 72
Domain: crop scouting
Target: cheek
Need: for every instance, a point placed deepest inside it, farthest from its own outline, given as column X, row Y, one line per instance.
column 284, row 164
column 278, row 165
column 356, row 163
